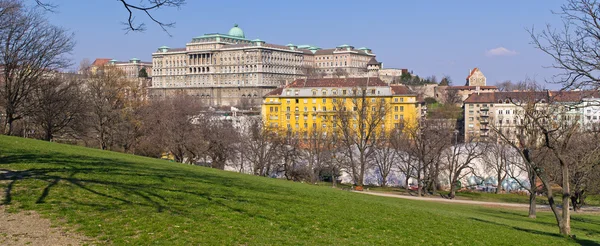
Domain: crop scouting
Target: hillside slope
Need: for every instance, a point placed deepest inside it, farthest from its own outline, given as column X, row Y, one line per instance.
column 130, row 200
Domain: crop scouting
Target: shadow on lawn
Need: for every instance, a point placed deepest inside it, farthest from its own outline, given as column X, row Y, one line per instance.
column 577, row 240
column 512, row 215
column 119, row 182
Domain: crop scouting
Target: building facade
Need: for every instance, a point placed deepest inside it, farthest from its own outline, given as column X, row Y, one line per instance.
column 226, row 69
column 131, row 68
column 476, row 78
column 504, row 110
column 315, row 103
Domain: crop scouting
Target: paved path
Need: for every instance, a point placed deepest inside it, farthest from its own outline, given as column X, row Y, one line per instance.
column 432, row 199
column 493, row 204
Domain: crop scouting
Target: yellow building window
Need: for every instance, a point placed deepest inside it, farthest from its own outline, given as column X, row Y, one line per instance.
column 401, row 108
column 395, row 108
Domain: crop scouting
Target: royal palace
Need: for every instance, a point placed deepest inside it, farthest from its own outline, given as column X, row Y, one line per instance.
column 231, row 70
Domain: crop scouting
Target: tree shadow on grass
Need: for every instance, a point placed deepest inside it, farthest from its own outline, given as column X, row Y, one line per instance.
column 556, row 235
column 132, row 184
column 511, row 215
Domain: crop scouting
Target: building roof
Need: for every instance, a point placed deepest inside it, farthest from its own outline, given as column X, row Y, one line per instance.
column 472, row 72
column 337, row 82
column 100, row 62
column 572, row 96
column 373, row 61
column 401, row 90
column 494, row 97
column 555, row 96
column 235, row 31
column 472, row 88
column 176, row 49
column 275, row 92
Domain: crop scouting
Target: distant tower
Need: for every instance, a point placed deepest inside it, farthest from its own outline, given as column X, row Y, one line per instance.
column 373, row 67
column 476, row 78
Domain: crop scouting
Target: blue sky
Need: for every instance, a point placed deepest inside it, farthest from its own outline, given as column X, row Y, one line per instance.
column 428, row 37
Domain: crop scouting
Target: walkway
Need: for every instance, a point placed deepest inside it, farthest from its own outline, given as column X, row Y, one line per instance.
column 492, row 204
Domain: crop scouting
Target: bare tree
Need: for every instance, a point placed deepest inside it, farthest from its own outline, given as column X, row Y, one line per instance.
column 385, row 158
column 519, row 86
column 459, row 160
column 545, row 128
column 398, row 141
column 107, row 96
column 497, row 159
column 145, row 7
column 57, row 103
column 452, row 97
column 316, row 150
column 358, row 122
column 291, row 164
column 340, row 73
column 29, row 49
column 221, row 138
column 169, row 124
column 424, row 145
column 582, row 157
column 260, row 147
column 573, row 47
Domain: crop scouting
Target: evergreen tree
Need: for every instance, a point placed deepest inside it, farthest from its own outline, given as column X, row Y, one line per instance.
column 142, row 73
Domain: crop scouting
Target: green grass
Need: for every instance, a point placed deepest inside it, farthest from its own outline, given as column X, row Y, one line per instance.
column 591, row 200
column 129, row 200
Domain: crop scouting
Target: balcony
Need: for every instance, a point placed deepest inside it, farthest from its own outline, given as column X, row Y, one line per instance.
column 484, row 121
column 485, row 109
column 484, row 115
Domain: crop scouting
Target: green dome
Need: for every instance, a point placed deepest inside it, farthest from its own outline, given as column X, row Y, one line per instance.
column 235, row 31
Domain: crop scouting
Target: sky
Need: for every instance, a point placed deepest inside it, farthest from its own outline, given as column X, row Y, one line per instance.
column 441, row 38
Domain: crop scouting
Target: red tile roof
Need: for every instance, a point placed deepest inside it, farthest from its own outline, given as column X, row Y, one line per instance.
column 100, row 62
column 503, row 96
column 472, row 72
column 472, row 88
column 572, row 96
column 401, row 90
column 337, row 82
column 275, row 92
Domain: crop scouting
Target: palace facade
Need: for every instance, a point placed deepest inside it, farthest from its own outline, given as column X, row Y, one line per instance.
column 230, row 70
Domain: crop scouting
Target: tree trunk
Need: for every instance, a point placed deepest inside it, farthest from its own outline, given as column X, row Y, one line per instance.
column 532, row 205
column 499, row 183
column 532, row 195
column 565, row 226
column 8, row 126
column 406, row 182
column 419, row 185
column 333, row 181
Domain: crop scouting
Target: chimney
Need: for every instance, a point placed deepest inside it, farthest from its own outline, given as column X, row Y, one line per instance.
column 477, row 89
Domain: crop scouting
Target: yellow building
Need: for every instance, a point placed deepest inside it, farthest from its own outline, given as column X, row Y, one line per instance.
column 308, row 104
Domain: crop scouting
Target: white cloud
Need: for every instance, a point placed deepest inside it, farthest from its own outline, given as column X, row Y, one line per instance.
column 500, row 51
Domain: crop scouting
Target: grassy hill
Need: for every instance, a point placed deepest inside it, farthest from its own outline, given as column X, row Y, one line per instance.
column 129, row 200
